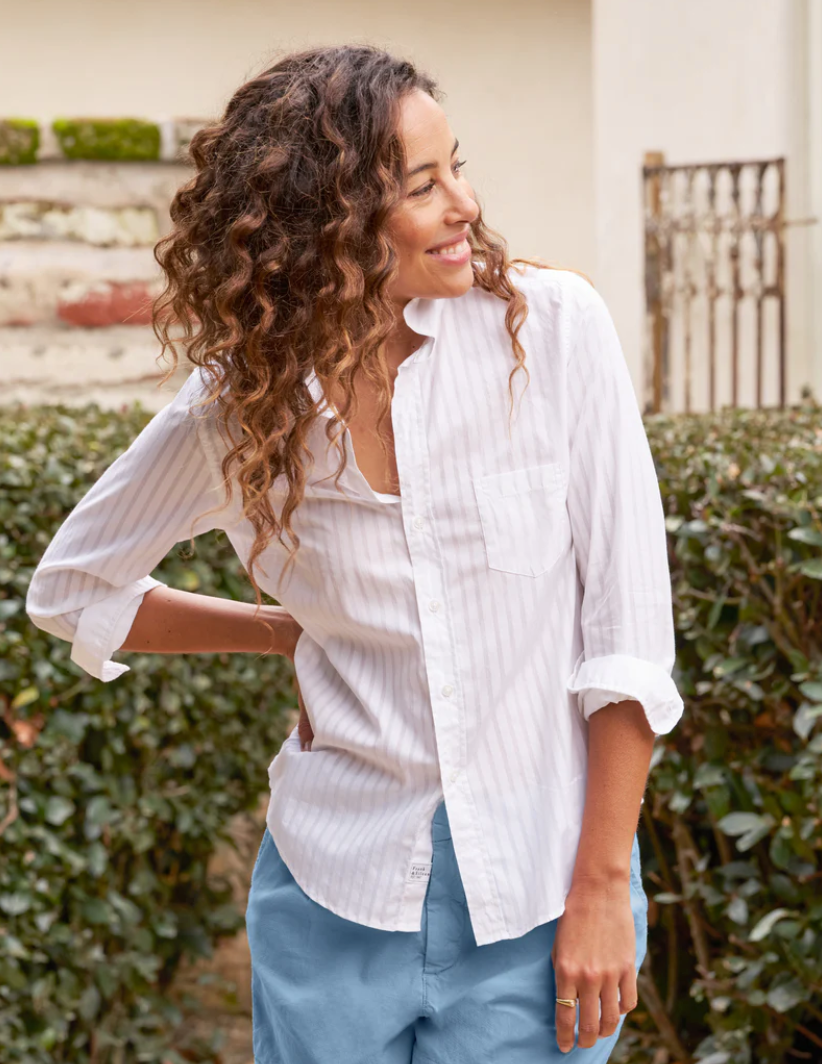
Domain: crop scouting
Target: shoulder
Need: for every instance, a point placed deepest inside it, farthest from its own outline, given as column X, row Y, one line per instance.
column 192, row 400
column 562, row 305
column 190, row 414
column 565, row 291
column 571, row 301
column 552, row 294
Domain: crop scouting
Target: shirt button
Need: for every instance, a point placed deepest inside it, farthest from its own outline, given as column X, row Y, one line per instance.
column 418, row 522
column 454, row 775
column 433, row 605
column 448, row 690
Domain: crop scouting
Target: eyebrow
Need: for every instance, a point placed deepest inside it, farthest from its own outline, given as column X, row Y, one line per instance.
column 430, row 166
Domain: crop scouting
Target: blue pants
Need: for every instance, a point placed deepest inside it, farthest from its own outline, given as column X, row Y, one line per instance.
column 326, row 990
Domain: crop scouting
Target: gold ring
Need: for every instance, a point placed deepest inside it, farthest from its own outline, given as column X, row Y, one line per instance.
column 567, row 1001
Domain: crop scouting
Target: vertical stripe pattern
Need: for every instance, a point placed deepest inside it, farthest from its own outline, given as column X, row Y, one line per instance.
column 456, row 639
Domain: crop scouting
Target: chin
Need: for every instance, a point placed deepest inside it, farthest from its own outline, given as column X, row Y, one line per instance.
column 448, row 287
column 464, row 282
column 461, row 282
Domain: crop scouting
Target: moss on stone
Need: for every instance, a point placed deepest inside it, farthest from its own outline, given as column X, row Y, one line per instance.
column 19, row 141
column 112, row 139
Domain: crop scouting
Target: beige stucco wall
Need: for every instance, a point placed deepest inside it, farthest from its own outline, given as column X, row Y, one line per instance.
column 517, row 79
column 813, row 189
column 707, row 80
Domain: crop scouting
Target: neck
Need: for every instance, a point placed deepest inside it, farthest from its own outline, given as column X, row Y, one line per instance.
column 402, row 342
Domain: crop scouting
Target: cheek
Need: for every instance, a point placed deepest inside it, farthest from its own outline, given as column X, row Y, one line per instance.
column 411, row 237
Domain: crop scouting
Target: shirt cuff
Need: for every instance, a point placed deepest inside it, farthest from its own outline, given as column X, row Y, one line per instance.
column 103, row 627
column 618, row 677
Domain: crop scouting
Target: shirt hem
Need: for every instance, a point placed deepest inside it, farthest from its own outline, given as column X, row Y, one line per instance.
column 407, row 924
column 483, row 937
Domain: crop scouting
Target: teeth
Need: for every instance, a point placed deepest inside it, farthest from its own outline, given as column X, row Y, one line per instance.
column 453, row 249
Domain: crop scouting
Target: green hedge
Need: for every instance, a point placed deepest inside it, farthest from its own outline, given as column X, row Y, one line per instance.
column 108, row 139
column 130, row 784
column 124, row 794
column 731, row 833
column 19, row 141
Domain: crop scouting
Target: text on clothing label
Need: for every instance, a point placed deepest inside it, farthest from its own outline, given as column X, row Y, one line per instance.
column 419, row 871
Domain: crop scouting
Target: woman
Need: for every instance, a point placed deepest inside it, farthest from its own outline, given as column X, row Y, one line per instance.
column 477, row 599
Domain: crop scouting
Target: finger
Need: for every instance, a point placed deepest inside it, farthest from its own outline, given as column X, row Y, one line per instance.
column 566, row 1016
column 306, row 736
column 609, row 1013
column 627, row 991
column 304, row 729
column 588, row 1016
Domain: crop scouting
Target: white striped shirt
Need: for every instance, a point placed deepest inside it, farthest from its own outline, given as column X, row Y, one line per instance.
column 455, row 641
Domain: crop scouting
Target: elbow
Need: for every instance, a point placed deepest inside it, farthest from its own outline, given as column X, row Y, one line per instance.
column 613, row 678
column 96, row 626
column 43, row 615
column 49, row 625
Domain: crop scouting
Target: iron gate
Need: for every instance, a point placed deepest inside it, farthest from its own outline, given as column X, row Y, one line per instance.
column 714, row 284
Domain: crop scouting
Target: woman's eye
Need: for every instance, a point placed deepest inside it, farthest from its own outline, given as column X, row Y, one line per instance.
column 427, row 188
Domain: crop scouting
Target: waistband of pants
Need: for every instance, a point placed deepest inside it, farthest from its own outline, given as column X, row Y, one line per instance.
column 440, row 828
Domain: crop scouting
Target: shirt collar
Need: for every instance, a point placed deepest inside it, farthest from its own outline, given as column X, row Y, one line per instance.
column 421, row 314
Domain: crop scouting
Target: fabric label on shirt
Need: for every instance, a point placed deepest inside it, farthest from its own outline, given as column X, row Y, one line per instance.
column 419, row 871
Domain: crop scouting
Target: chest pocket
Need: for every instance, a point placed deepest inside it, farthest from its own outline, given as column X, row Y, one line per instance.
column 524, row 519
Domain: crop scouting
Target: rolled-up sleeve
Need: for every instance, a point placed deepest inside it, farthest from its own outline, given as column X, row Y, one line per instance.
column 95, row 572
column 618, row 527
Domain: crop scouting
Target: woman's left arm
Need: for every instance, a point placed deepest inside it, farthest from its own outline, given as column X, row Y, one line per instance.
column 595, row 946
column 622, row 682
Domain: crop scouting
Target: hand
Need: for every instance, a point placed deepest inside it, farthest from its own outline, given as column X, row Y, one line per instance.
column 291, row 636
column 594, row 956
column 304, row 729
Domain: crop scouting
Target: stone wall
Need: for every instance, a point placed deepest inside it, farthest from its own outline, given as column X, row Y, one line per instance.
column 82, row 204
column 77, row 274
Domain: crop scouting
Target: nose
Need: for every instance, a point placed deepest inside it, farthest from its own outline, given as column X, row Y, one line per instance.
column 463, row 207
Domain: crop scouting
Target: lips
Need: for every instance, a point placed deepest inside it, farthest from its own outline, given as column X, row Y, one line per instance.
column 454, row 254
column 453, row 242
column 450, row 249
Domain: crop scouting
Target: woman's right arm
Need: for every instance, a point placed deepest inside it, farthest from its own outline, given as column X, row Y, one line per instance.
column 92, row 586
column 169, row 621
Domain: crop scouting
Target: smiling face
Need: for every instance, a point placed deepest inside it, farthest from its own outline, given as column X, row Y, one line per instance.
column 430, row 224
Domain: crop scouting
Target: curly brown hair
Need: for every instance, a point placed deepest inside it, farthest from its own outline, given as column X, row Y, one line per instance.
column 279, row 262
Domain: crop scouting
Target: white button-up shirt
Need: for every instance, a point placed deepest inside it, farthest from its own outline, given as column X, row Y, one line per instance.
column 455, row 640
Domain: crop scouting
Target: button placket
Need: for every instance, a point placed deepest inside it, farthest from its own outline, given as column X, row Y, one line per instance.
column 412, row 458
column 438, row 640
